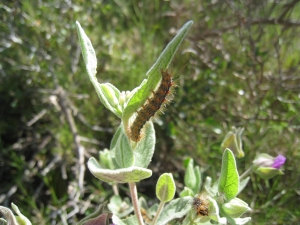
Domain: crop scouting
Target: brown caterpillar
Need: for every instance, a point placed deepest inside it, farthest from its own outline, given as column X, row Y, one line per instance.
column 201, row 205
column 152, row 105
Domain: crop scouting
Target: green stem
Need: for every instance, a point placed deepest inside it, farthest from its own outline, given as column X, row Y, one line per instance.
column 135, row 203
column 246, row 173
column 161, row 206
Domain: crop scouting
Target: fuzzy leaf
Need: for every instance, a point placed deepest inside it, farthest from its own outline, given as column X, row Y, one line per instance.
column 235, row 208
column 112, row 97
column 3, row 221
column 90, row 61
column 243, row 184
column 99, row 217
column 145, row 148
column 192, row 177
column 105, row 159
column 8, row 215
column 22, row 220
column 214, row 212
column 120, row 207
column 121, row 151
column 165, row 188
column 175, row 209
column 132, row 220
column 229, row 179
column 186, row 192
column 130, row 174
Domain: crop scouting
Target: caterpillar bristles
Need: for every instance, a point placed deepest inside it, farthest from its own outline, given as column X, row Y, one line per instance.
column 156, row 103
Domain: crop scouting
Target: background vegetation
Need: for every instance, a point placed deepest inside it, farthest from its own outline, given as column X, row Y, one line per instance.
column 239, row 66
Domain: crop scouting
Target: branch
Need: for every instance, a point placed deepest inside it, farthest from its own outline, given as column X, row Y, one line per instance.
column 248, row 22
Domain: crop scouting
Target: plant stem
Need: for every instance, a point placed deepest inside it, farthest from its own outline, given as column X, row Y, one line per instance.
column 115, row 189
column 246, row 173
column 135, row 203
column 161, row 206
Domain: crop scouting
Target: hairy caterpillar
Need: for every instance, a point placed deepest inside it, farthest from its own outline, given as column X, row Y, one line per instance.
column 152, row 105
column 201, row 205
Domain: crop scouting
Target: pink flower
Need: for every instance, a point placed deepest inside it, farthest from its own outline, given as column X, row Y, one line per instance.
column 267, row 166
column 278, row 162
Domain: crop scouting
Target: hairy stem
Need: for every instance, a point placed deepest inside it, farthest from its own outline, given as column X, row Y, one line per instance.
column 135, row 202
column 161, row 206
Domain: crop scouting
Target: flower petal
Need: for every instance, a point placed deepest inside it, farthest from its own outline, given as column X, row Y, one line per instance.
column 278, row 162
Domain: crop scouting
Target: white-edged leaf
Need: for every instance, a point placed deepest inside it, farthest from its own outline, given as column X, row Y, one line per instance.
column 126, row 175
column 176, row 208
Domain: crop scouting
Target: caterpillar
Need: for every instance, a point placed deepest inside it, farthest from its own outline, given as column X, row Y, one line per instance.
column 153, row 104
column 201, row 205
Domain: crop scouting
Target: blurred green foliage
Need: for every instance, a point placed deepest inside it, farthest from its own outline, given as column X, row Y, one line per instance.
column 239, row 66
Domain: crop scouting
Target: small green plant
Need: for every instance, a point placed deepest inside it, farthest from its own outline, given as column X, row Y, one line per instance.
column 130, row 159
column 132, row 148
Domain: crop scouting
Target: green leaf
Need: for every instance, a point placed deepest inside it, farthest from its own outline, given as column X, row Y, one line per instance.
column 243, row 184
column 186, row 192
column 132, row 220
column 3, row 221
column 175, row 209
column 121, row 151
column 88, row 52
column 130, row 174
column 120, row 207
column 22, row 220
column 198, row 179
column 212, row 190
column 229, row 179
column 145, row 148
column 165, row 188
column 214, row 212
column 192, row 177
column 105, row 159
column 90, row 61
column 154, row 76
column 111, row 97
column 235, row 208
column 99, row 217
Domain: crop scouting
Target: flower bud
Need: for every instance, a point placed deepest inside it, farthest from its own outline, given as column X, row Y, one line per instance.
column 235, row 208
column 267, row 166
column 233, row 141
column 111, row 95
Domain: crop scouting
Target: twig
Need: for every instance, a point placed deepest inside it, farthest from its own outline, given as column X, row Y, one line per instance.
column 51, row 165
column 36, row 117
